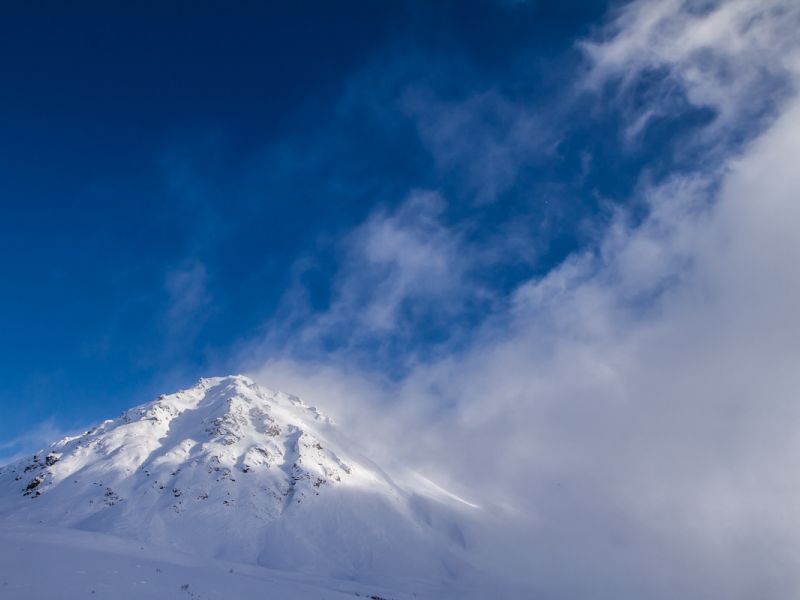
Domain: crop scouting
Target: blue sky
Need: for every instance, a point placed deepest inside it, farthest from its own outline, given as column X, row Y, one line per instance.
column 163, row 178
column 544, row 254
column 184, row 195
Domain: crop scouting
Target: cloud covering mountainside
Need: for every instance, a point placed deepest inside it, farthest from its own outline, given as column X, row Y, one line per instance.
column 639, row 398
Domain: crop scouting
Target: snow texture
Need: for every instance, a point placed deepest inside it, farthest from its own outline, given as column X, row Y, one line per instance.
column 224, row 471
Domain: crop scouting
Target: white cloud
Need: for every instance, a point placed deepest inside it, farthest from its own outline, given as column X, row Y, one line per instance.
column 736, row 57
column 412, row 256
column 633, row 413
column 398, row 271
column 659, row 436
column 484, row 139
column 188, row 298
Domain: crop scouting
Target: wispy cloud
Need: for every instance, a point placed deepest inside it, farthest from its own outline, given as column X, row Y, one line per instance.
column 484, row 139
column 632, row 411
column 398, row 274
column 32, row 440
column 188, row 298
column 737, row 58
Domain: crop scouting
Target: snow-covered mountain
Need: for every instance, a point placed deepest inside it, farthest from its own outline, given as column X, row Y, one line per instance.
column 229, row 470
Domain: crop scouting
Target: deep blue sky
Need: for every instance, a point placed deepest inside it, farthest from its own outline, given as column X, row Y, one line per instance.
column 165, row 169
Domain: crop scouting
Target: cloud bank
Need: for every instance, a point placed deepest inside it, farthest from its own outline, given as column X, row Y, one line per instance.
column 627, row 421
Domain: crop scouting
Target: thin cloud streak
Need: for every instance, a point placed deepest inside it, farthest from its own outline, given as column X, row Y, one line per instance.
column 35, row 438
column 738, row 58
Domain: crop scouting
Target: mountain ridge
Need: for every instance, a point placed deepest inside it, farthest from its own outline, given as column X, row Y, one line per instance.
column 229, row 469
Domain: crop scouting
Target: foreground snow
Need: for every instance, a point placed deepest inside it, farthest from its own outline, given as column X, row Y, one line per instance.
column 43, row 563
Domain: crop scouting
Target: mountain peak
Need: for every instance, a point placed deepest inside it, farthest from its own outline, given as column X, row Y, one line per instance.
column 230, row 469
column 238, row 379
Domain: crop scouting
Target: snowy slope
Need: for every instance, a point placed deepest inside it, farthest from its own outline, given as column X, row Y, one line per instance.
column 229, row 470
column 38, row 563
